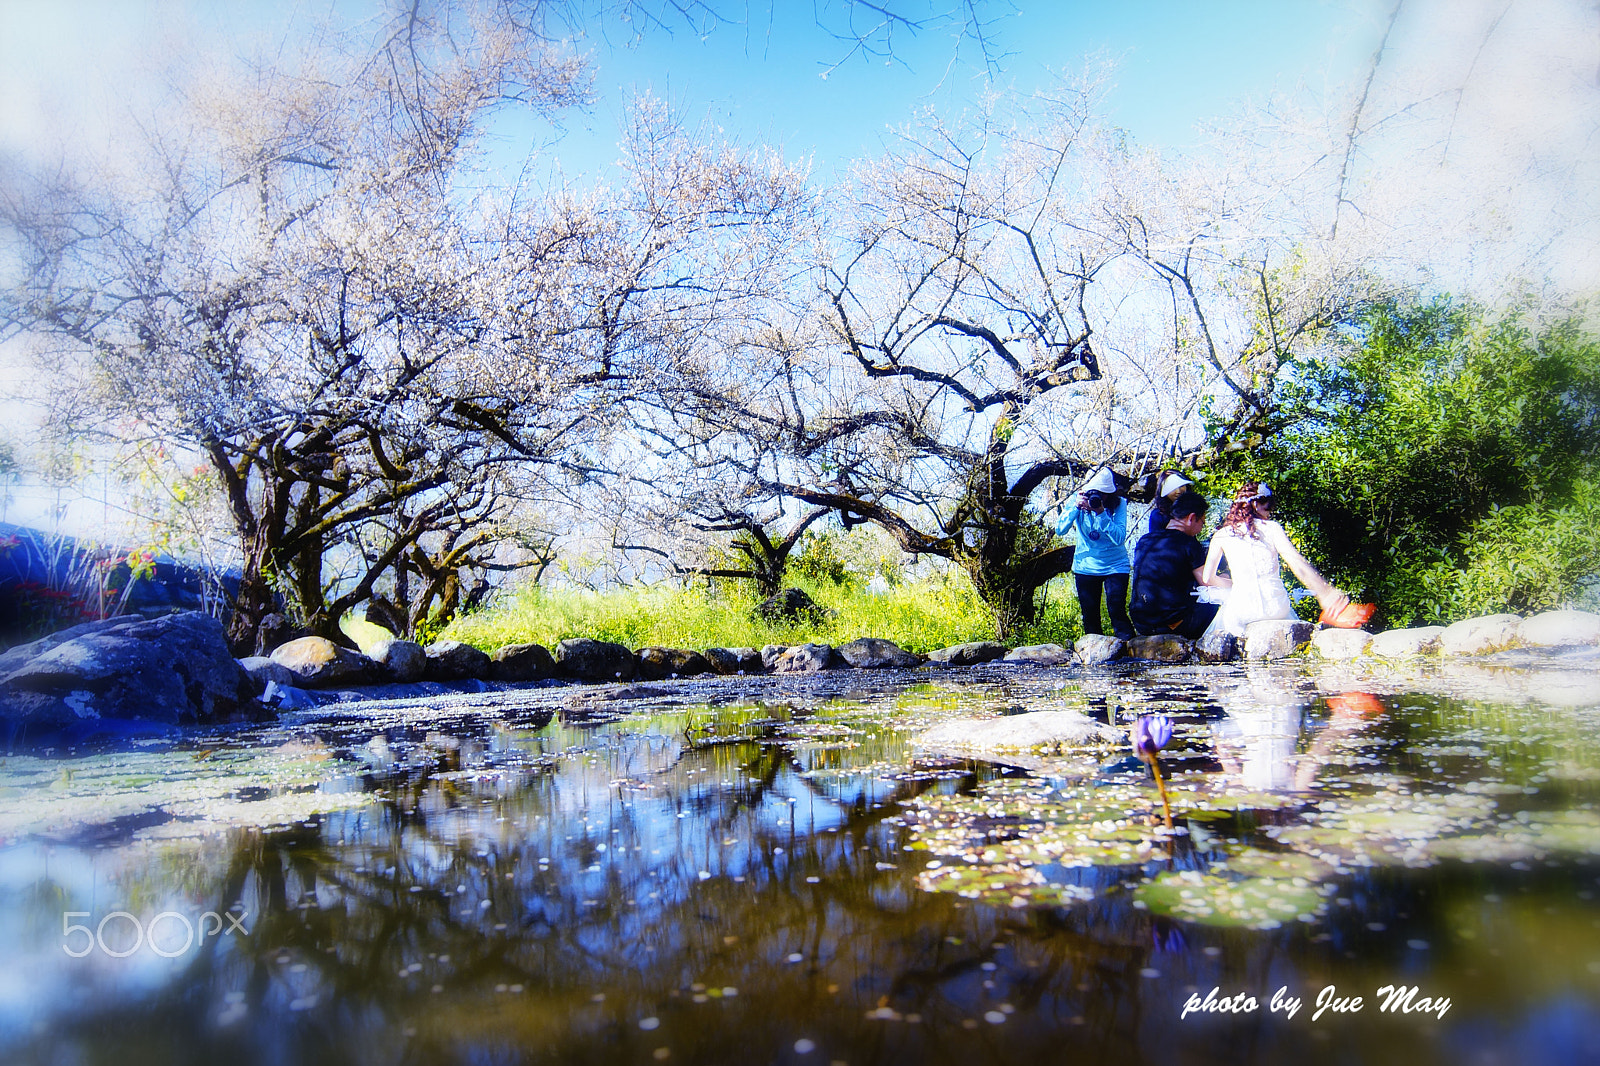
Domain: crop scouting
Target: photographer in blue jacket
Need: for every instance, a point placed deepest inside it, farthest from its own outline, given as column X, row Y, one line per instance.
column 1100, row 561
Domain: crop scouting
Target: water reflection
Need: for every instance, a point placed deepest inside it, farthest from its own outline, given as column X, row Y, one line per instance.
column 1257, row 737
column 731, row 883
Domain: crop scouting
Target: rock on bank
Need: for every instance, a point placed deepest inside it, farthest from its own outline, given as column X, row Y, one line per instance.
column 175, row 670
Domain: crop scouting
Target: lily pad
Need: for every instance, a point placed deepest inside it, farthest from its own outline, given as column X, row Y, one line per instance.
column 1196, row 802
column 1209, row 899
column 1009, row 884
column 1389, row 828
column 200, row 793
column 1257, row 862
column 1568, row 831
column 1485, row 847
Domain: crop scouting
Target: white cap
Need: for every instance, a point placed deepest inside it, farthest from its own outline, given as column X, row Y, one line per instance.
column 1101, row 482
column 1172, row 483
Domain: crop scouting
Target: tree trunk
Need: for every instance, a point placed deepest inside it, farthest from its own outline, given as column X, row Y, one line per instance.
column 1011, row 601
column 1008, row 552
column 256, row 600
column 1010, row 587
column 768, row 574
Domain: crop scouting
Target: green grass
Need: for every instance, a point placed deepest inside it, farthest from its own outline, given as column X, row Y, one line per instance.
column 920, row 617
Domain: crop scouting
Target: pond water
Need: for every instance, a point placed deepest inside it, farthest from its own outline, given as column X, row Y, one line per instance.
column 741, row 871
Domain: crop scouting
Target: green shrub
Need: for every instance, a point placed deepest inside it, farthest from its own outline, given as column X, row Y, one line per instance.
column 1438, row 467
column 820, row 560
column 1524, row 559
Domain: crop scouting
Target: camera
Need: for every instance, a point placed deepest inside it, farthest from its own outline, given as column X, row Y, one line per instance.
column 1095, row 501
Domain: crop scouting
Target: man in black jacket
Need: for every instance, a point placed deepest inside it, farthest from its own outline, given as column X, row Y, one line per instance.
column 1167, row 567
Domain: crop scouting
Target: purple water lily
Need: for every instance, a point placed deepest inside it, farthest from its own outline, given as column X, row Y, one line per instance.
column 1151, row 733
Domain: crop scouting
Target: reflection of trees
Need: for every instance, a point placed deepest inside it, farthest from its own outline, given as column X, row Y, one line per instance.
column 381, row 905
column 360, row 898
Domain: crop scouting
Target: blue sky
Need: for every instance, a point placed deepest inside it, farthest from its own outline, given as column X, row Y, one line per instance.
column 1177, row 63
column 67, row 64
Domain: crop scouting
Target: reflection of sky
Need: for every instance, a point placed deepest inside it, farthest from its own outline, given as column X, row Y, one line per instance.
column 38, row 978
column 1560, row 1033
column 648, row 796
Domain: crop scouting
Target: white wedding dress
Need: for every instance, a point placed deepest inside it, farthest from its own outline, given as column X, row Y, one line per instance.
column 1258, row 592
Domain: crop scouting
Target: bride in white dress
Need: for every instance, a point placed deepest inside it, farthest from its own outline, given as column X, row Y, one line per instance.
column 1254, row 544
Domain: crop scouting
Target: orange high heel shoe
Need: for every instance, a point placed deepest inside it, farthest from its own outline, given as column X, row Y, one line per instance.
column 1349, row 615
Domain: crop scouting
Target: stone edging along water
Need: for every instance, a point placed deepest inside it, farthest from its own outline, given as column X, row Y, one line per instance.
column 313, row 662
column 117, row 677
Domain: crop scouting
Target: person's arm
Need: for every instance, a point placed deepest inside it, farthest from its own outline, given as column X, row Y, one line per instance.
column 1207, row 575
column 1213, row 560
column 1301, row 567
column 1118, row 531
column 1069, row 517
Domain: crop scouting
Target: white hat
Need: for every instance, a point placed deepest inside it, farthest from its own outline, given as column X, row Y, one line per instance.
column 1172, row 483
column 1101, row 482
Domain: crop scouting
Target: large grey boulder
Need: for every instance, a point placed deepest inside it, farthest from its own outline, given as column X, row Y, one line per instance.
column 263, row 672
column 405, row 660
column 1019, row 732
column 807, row 659
column 978, row 651
column 1396, row 644
column 451, row 660
column 16, row 657
column 1163, row 648
column 1340, row 643
column 595, row 660
column 875, row 653
column 770, row 654
column 1402, row 643
column 1481, row 636
column 789, row 605
column 1042, row 654
column 523, row 662
column 177, row 669
column 1276, row 638
column 1095, row 648
column 735, row 660
column 318, row 662
column 657, row 664
column 1216, row 645
column 1557, row 629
